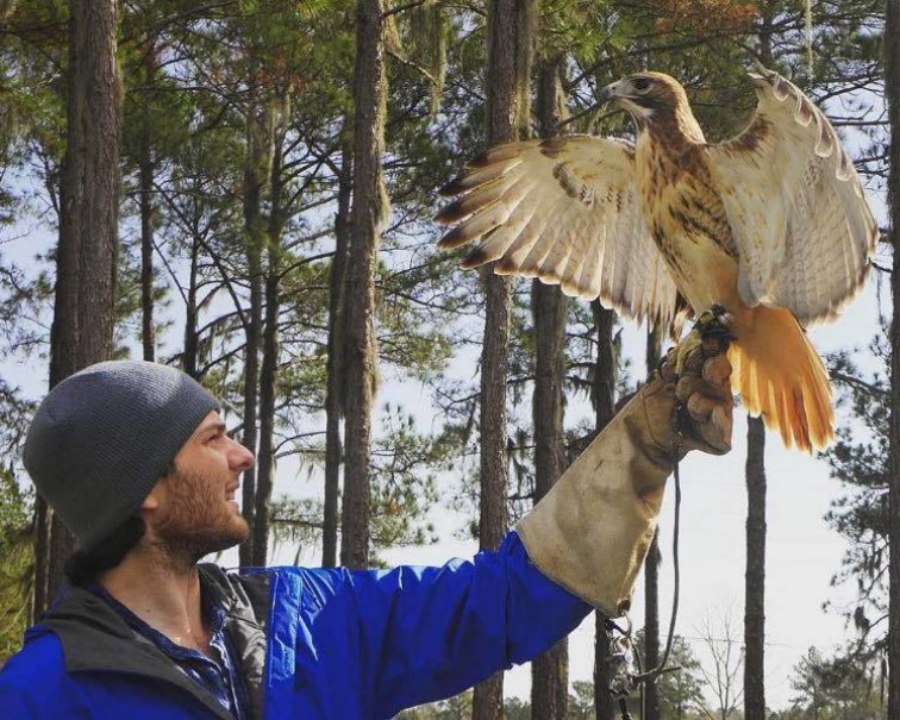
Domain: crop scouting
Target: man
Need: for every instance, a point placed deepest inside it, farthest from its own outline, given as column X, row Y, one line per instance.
column 134, row 458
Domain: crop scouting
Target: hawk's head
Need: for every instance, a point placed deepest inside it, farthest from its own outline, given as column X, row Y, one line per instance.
column 651, row 98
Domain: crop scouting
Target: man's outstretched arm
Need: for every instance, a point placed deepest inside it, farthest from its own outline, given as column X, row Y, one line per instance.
column 592, row 530
column 427, row 633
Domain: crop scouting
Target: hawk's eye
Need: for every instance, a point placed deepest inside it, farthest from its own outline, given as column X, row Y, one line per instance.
column 641, row 84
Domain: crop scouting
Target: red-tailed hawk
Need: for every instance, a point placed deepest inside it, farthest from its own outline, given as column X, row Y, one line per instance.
column 773, row 225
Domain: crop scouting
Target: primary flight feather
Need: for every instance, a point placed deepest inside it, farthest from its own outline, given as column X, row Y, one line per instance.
column 772, row 225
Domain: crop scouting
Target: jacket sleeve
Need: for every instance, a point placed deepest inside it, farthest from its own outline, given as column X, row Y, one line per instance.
column 35, row 685
column 428, row 633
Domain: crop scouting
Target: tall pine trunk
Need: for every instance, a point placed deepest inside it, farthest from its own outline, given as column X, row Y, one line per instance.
column 268, row 379
column 190, row 355
column 367, row 213
column 892, row 100
column 256, row 170
column 755, row 575
column 87, row 254
column 334, row 401
column 605, row 376
column 146, row 169
column 755, row 474
column 550, row 671
column 507, row 87
column 268, row 385
column 651, row 571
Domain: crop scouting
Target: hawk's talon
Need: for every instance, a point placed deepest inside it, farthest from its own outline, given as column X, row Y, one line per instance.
column 713, row 324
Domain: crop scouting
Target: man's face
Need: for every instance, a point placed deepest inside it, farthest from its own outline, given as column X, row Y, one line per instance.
column 193, row 511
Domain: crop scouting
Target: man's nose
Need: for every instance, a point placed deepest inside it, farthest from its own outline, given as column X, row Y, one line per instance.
column 241, row 458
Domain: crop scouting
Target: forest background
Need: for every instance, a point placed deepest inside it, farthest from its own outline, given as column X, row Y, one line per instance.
column 244, row 189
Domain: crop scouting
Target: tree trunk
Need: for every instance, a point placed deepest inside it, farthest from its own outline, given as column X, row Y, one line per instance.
column 487, row 699
column 604, row 406
column 189, row 357
column 249, row 434
column 755, row 471
column 892, row 99
column 507, row 84
column 367, row 213
column 549, row 676
column 259, row 154
column 550, row 671
column 87, row 254
column 651, row 571
column 268, row 387
column 146, row 169
column 755, row 576
column 334, row 403
column 268, row 380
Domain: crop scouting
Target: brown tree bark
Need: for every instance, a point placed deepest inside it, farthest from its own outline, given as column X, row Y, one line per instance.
column 249, row 432
column 651, row 571
column 256, row 171
column 87, row 254
column 334, row 400
column 189, row 356
column 487, row 699
column 368, row 208
column 146, row 170
column 550, row 671
column 755, row 575
column 507, row 85
column 755, row 473
column 604, row 390
column 268, row 380
column 892, row 100
column 268, row 388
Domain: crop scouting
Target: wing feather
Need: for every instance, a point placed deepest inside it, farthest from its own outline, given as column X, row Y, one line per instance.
column 796, row 207
column 565, row 211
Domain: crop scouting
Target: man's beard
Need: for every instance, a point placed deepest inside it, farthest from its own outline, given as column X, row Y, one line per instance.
column 198, row 519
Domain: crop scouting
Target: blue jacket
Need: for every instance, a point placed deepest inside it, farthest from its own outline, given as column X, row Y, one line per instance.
column 314, row 644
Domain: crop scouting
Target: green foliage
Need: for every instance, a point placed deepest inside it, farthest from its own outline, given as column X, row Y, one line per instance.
column 581, row 704
column 860, row 460
column 459, row 707
column 839, row 687
column 403, row 484
column 15, row 563
column 297, row 523
column 16, row 555
column 405, row 462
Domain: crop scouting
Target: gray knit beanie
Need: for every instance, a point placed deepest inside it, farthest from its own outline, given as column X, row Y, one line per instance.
column 104, row 436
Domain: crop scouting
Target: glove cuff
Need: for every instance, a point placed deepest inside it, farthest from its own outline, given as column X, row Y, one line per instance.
column 592, row 530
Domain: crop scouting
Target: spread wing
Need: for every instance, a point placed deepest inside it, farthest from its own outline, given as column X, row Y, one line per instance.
column 795, row 204
column 566, row 211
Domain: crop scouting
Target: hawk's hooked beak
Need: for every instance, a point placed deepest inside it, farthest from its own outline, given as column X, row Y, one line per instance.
column 611, row 92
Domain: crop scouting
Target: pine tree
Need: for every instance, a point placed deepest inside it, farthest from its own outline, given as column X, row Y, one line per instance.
column 87, row 254
column 368, row 213
column 892, row 100
column 509, row 29
column 549, row 677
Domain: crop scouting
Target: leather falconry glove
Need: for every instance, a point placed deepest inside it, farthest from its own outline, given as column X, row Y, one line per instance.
column 592, row 530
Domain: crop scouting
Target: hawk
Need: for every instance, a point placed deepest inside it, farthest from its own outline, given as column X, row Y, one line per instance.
column 772, row 225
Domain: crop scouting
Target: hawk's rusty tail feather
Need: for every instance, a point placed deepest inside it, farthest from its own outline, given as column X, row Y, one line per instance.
column 780, row 376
